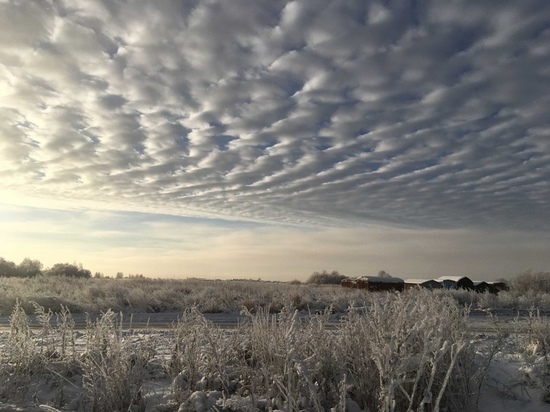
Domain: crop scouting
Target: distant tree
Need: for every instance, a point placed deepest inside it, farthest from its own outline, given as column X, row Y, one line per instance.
column 67, row 269
column 7, row 268
column 29, row 267
column 325, row 278
column 119, row 275
column 98, row 275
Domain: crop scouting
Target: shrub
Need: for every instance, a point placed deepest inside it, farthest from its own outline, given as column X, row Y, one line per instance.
column 325, row 278
column 529, row 281
column 67, row 269
column 401, row 352
column 20, row 359
column 113, row 368
column 7, row 268
column 30, row 268
column 27, row 268
column 410, row 351
column 405, row 352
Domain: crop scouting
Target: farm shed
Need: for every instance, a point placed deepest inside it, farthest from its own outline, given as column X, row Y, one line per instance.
column 481, row 286
column 422, row 283
column 447, row 283
column 349, row 283
column 459, row 282
column 380, row 283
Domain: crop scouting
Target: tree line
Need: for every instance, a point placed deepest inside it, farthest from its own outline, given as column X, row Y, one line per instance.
column 332, row 278
column 29, row 268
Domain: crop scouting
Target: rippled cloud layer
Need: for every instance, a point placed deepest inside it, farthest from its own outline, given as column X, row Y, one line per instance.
column 429, row 114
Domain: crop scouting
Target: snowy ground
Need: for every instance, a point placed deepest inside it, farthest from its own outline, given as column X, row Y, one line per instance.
column 512, row 384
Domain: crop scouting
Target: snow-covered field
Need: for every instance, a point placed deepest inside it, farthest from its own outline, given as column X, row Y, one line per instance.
column 406, row 352
column 514, row 381
column 509, row 385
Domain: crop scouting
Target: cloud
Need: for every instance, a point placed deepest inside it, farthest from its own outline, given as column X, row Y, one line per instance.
column 161, row 245
column 312, row 113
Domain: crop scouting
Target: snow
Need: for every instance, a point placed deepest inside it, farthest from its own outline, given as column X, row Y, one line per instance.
column 512, row 384
column 508, row 388
column 419, row 281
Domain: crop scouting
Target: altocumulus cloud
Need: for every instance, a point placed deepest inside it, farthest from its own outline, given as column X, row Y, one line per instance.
column 428, row 114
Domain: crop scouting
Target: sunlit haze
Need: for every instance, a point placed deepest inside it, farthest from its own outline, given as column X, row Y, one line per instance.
column 271, row 139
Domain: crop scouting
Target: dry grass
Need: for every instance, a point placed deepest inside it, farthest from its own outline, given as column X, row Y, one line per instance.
column 132, row 295
column 392, row 352
column 166, row 295
column 402, row 352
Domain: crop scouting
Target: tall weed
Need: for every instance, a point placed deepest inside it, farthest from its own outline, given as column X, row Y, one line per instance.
column 537, row 350
column 404, row 351
column 113, row 368
column 393, row 352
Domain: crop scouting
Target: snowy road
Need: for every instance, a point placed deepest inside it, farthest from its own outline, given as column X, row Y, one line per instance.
column 506, row 321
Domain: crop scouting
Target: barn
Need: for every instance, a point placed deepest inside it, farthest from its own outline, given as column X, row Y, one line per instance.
column 456, row 282
column 447, row 283
column 349, row 283
column 380, row 283
column 481, row 286
column 422, row 283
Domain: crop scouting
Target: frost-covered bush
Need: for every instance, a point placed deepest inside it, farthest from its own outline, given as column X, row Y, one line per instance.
column 276, row 361
column 530, row 281
column 30, row 357
column 409, row 352
column 300, row 363
column 113, row 367
column 168, row 295
column 403, row 352
column 536, row 344
column 140, row 294
column 20, row 357
column 397, row 352
column 488, row 300
column 105, row 374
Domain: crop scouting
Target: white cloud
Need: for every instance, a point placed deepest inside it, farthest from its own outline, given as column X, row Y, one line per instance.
column 296, row 112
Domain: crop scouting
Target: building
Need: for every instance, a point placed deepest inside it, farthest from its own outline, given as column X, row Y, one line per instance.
column 456, row 282
column 380, row 283
column 481, row 286
column 349, row 283
column 422, row 283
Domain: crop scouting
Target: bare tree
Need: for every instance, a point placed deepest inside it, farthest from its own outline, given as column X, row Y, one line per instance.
column 29, row 267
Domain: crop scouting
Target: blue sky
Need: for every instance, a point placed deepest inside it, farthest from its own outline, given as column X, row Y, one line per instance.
column 275, row 138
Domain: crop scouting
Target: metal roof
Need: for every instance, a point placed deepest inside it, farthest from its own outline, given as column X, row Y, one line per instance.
column 419, row 281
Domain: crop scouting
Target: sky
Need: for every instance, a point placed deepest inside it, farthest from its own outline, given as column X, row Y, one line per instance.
column 272, row 139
